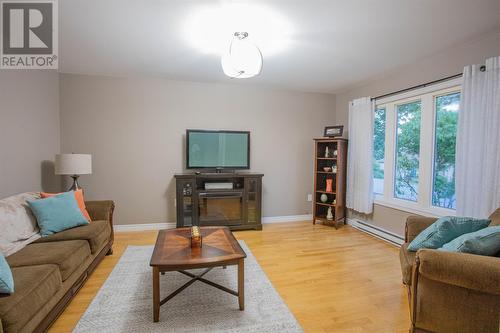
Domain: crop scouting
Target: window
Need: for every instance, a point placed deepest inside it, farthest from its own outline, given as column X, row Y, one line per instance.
column 445, row 135
column 378, row 150
column 407, row 151
column 414, row 139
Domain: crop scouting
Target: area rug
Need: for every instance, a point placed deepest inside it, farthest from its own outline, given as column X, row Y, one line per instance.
column 124, row 303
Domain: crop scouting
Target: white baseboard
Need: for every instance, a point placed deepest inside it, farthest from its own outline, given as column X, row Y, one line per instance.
column 171, row 225
column 143, row 227
column 286, row 218
column 376, row 231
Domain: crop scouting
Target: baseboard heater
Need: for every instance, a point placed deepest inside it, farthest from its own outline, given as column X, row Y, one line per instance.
column 385, row 235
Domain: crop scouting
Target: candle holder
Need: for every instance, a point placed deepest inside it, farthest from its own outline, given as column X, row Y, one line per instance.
column 196, row 239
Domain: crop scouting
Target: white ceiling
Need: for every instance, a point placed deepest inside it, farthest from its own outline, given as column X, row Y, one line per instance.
column 332, row 44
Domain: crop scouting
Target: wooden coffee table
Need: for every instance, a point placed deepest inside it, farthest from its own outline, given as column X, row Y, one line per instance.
column 173, row 252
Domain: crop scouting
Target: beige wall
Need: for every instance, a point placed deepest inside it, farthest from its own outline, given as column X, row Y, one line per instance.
column 29, row 130
column 446, row 63
column 134, row 129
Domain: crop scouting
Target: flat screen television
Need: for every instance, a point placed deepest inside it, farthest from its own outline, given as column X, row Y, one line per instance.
column 207, row 149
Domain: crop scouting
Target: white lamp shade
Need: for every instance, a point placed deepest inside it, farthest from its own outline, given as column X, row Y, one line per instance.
column 73, row 164
column 242, row 59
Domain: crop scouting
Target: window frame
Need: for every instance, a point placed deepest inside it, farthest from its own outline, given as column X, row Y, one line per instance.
column 438, row 94
column 427, row 95
column 385, row 135
column 395, row 106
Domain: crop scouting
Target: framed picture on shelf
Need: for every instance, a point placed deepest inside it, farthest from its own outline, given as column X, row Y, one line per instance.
column 333, row 131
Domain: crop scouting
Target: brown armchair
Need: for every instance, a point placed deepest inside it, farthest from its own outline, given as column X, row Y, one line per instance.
column 450, row 292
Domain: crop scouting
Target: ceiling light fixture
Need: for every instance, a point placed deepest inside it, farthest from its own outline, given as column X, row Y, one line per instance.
column 243, row 59
column 209, row 28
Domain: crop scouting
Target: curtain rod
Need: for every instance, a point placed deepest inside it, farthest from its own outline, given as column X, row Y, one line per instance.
column 418, row 86
column 482, row 69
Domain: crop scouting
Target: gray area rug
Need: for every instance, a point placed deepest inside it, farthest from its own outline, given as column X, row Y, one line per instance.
column 124, row 303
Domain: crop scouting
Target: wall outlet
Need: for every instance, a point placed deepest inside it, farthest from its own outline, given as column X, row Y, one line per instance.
column 310, row 197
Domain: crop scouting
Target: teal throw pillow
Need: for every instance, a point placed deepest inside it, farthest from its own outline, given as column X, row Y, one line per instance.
column 444, row 230
column 484, row 242
column 57, row 213
column 6, row 279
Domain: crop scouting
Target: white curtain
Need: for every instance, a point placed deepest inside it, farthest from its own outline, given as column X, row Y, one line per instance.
column 360, row 156
column 477, row 179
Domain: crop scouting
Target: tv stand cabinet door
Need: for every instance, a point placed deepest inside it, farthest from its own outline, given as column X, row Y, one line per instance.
column 187, row 202
column 252, row 201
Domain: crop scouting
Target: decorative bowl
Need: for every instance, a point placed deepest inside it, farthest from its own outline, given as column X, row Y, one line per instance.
column 327, row 169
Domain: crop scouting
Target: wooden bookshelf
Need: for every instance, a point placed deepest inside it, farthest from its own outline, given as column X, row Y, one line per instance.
column 337, row 157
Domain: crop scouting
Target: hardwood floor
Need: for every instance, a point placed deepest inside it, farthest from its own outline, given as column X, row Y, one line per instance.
column 332, row 280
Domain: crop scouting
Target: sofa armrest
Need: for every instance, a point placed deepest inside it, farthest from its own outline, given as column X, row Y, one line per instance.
column 102, row 210
column 470, row 271
column 415, row 225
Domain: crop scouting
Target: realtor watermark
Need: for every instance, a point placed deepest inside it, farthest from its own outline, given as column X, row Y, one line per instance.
column 29, row 34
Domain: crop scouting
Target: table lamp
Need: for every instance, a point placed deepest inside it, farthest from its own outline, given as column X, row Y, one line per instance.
column 73, row 165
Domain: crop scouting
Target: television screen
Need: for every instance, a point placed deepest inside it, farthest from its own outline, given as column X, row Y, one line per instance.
column 217, row 149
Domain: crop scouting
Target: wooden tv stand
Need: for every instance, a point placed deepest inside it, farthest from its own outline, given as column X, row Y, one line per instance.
column 229, row 199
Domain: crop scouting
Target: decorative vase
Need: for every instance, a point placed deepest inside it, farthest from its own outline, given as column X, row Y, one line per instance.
column 329, row 187
column 327, row 152
column 329, row 215
column 334, row 153
column 334, row 202
column 334, row 168
column 323, row 198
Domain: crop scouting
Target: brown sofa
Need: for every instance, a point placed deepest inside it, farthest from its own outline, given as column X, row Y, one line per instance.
column 49, row 272
column 450, row 292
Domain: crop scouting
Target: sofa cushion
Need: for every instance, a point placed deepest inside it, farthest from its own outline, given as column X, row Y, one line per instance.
column 6, row 279
column 485, row 242
column 79, row 200
column 57, row 213
column 444, row 230
column 35, row 286
column 407, row 259
column 96, row 233
column 17, row 223
column 68, row 255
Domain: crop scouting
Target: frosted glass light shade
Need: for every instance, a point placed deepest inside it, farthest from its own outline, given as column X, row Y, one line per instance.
column 242, row 60
column 73, row 164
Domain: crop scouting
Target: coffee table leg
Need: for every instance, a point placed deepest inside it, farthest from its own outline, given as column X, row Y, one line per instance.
column 241, row 284
column 156, row 294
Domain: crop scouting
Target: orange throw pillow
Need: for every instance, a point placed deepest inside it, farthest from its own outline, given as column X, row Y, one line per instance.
column 79, row 201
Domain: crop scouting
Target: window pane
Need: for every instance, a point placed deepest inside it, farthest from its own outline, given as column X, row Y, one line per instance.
column 443, row 187
column 378, row 150
column 407, row 150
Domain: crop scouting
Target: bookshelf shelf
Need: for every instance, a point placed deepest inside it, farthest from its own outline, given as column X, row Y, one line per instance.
column 325, row 204
column 323, row 191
